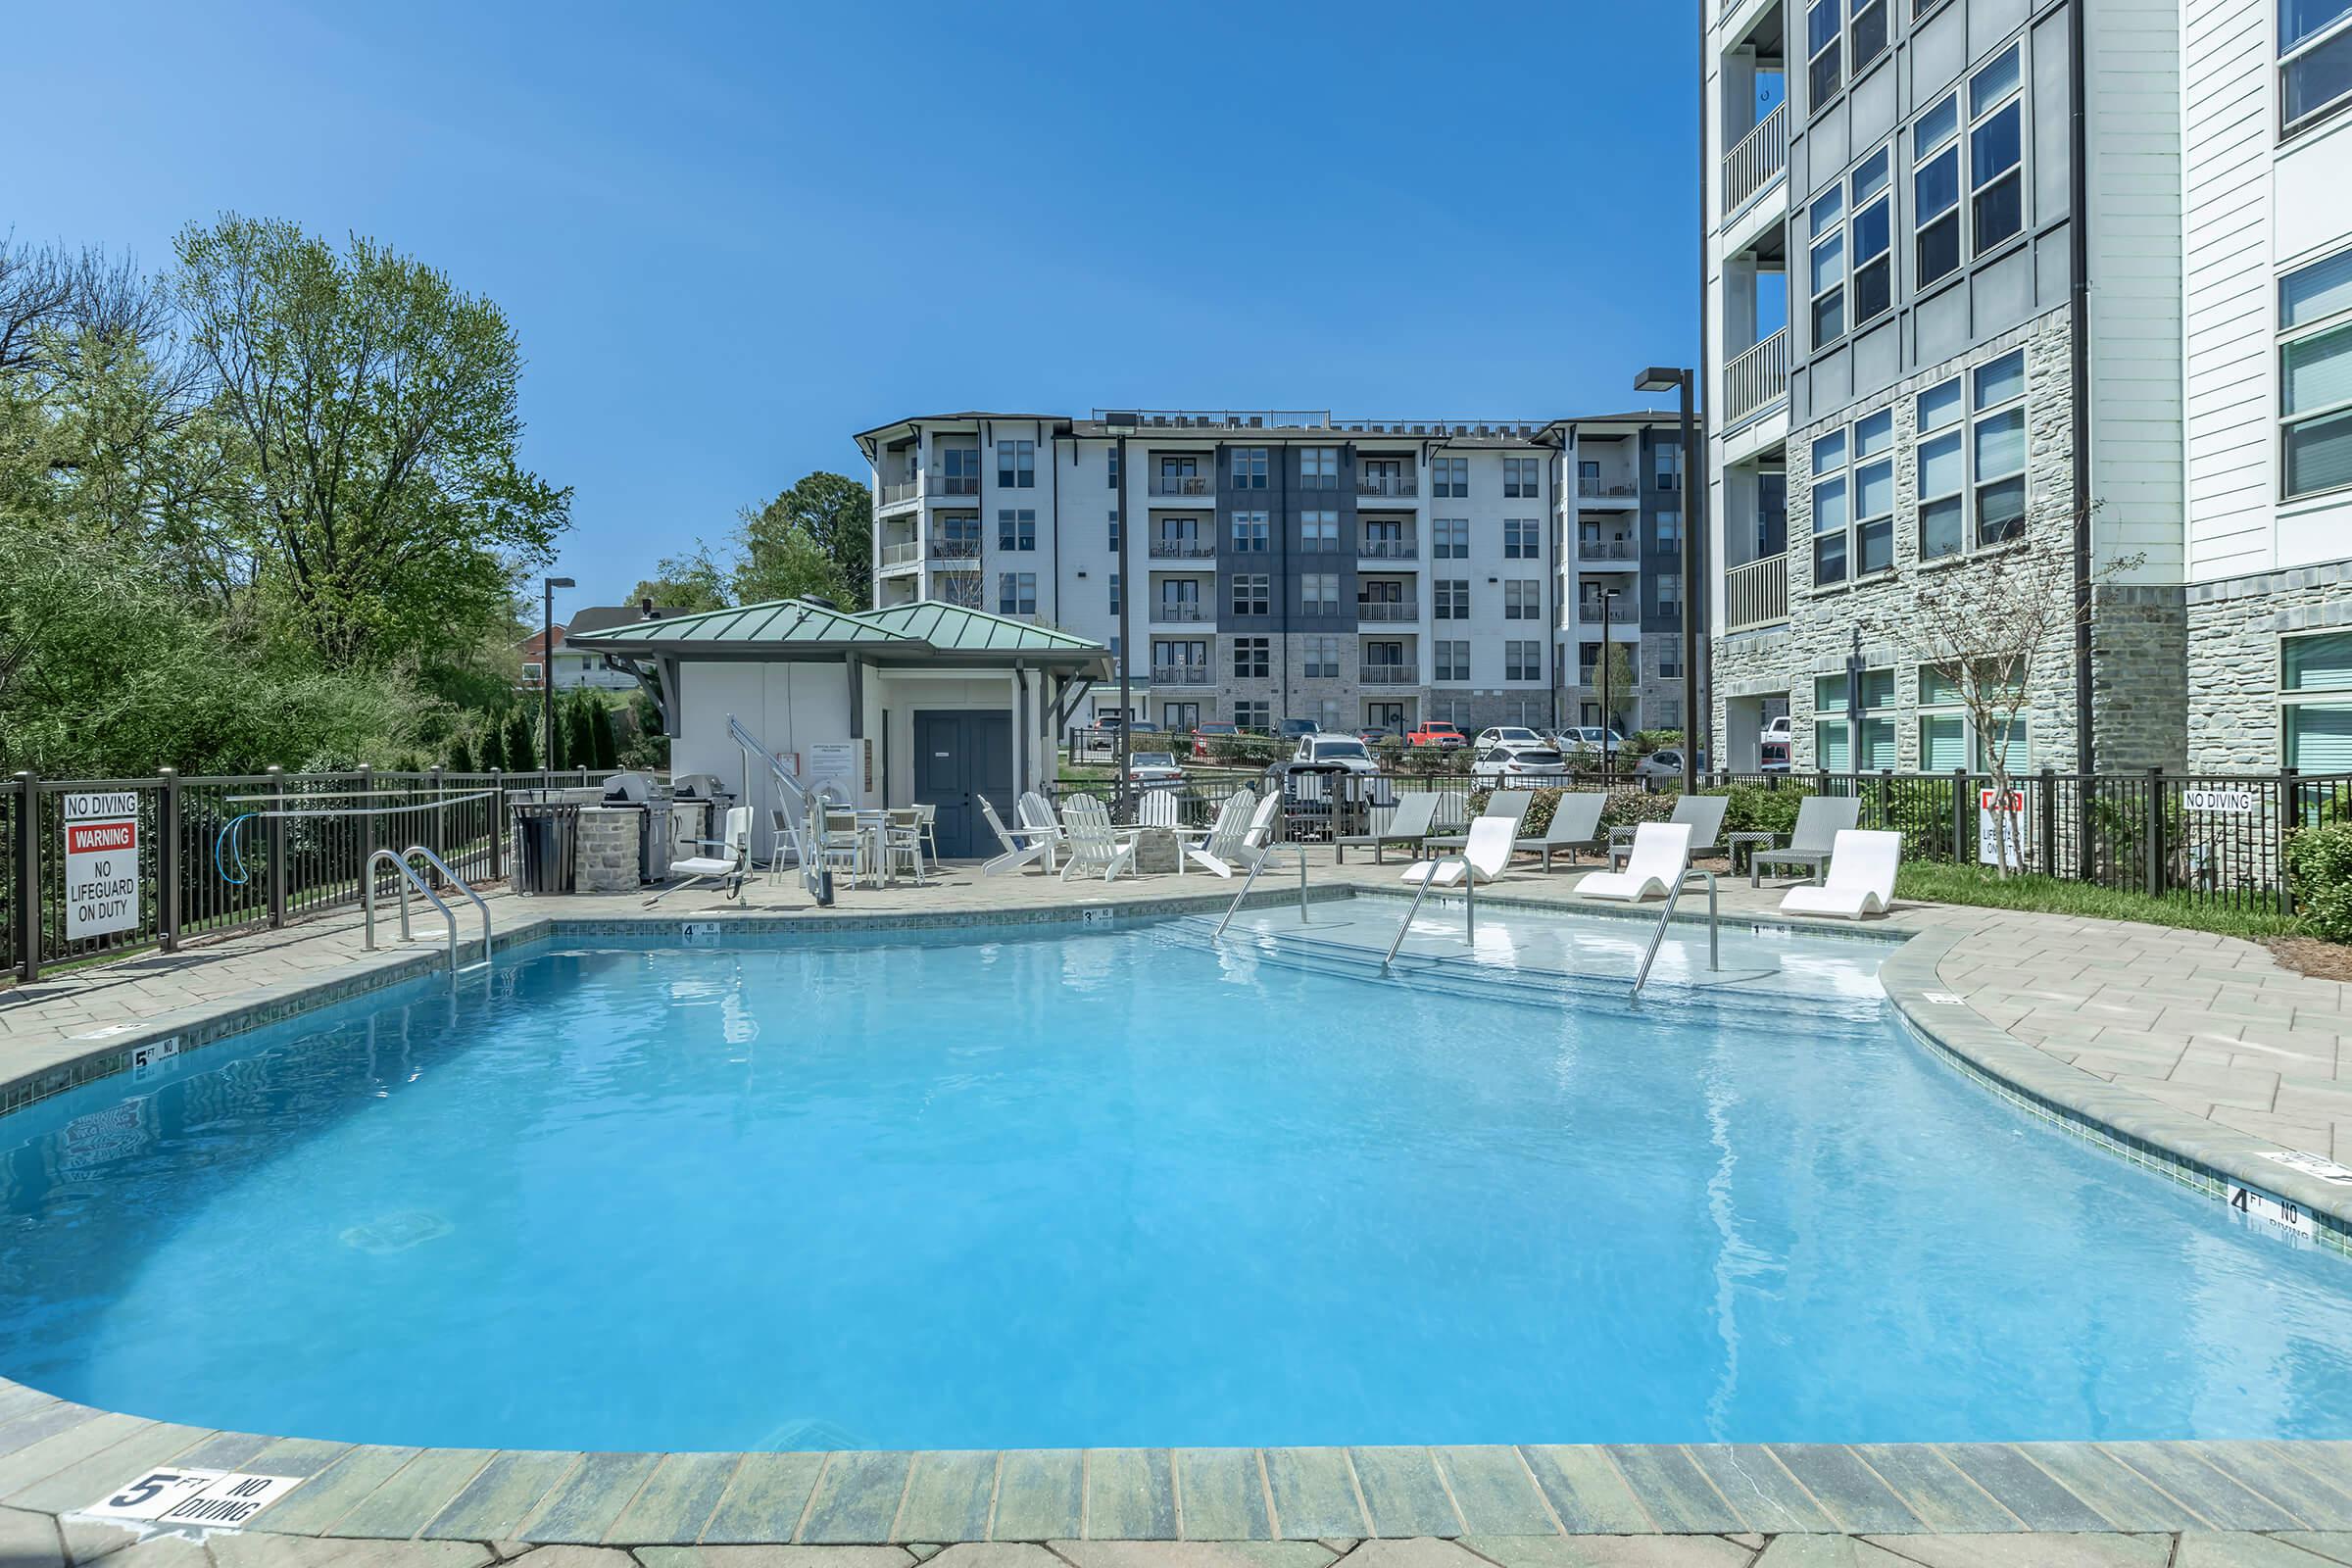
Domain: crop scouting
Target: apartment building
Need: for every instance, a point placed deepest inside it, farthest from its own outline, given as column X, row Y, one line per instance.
column 2060, row 280
column 1260, row 565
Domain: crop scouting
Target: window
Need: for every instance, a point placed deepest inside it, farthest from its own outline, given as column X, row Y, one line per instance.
column 1874, row 493
column 1017, row 531
column 1828, row 264
column 1450, row 538
column 1453, row 598
column 1947, row 738
column 1453, row 661
column 1523, row 599
column 959, row 470
column 1666, row 464
column 1670, row 532
column 2315, row 693
column 1522, row 479
column 1319, row 531
column 1865, row 33
column 1830, row 512
column 1450, row 476
column 1936, row 192
column 1016, row 465
column 1997, row 180
column 1248, row 468
column 1251, row 658
column 1114, row 593
column 1016, row 593
column 1254, row 714
column 1319, row 593
column 2315, row 61
column 1251, row 593
column 1942, row 472
column 1114, row 533
column 1520, row 538
column 1192, row 655
column 1823, row 74
column 1670, row 593
column 1522, row 661
column 1249, row 532
column 1318, row 467
column 1999, row 443
column 2315, row 377
column 1834, row 747
column 1322, row 658
column 1111, row 468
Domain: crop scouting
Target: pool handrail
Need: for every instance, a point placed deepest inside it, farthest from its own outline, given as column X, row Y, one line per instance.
column 1657, row 937
column 1258, row 862
column 400, row 863
column 460, row 884
column 1469, row 902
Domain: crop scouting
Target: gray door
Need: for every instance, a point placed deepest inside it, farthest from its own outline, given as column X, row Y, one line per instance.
column 956, row 755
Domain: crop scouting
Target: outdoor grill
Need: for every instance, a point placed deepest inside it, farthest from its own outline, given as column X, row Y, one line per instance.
column 626, row 791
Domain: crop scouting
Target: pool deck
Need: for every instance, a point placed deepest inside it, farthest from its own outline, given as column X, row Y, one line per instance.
column 2195, row 1056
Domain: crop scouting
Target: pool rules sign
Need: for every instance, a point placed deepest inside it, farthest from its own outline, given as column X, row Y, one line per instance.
column 102, row 862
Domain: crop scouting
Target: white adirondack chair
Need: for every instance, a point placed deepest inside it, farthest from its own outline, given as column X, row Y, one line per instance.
column 1093, row 843
column 1019, row 850
column 1229, row 844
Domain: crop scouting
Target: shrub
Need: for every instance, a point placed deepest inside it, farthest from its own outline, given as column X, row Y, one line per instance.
column 1630, row 803
column 1760, row 808
column 2319, row 862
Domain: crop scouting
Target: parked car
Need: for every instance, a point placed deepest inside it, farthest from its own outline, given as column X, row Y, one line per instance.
column 1154, row 768
column 1667, row 764
column 1377, row 738
column 1143, row 727
column 1436, row 732
column 1293, row 728
column 1581, row 736
column 1775, row 748
column 1517, row 760
column 1339, row 754
column 1515, row 734
column 1205, row 736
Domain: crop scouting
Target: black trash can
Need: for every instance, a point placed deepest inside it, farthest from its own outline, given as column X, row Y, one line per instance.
column 547, row 836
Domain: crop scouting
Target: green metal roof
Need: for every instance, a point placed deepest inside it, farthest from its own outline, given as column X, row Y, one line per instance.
column 953, row 629
column 794, row 626
column 778, row 620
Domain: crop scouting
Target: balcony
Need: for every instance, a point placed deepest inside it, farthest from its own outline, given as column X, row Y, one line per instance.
column 954, row 484
column 1388, row 610
column 1757, row 379
column 1183, row 485
column 1388, row 675
column 1180, row 675
column 946, row 548
column 1387, row 485
column 1607, row 549
column 1173, row 612
column 1761, row 157
column 894, row 493
column 1389, row 550
column 1184, row 549
column 905, row 554
column 1592, row 487
column 1756, row 594
column 1620, row 612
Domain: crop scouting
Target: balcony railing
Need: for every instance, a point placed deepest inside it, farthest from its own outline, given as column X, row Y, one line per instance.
column 1756, row 594
column 1594, row 488
column 900, row 555
column 1758, row 160
column 1619, row 612
column 1182, row 484
column 893, row 493
column 1180, row 675
column 1607, row 549
column 1387, row 485
column 1757, row 378
column 954, row 484
column 1389, row 550
column 1176, row 609
column 1183, row 549
column 946, row 548
column 1388, row 675
column 1386, row 610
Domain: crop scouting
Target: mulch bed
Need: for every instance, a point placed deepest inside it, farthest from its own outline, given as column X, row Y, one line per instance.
column 2321, row 960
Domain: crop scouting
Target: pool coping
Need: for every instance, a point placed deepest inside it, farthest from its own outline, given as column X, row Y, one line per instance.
column 57, row 1456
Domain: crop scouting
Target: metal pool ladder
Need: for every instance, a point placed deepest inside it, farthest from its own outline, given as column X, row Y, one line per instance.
column 400, row 863
column 1659, row 937
column 1265, row 853
column 1469, row 903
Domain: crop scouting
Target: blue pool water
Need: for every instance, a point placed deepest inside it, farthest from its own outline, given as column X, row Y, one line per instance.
column 999, row 1189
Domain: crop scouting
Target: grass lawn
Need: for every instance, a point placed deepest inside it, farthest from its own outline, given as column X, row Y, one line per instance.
column 1977, row 885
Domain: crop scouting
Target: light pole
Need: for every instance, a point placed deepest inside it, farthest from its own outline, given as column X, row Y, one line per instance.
column 1662, row 378
column 547, row 669
column 1607, row 724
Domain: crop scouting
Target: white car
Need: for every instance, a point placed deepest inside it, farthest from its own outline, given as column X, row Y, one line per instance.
column 1498, row 734
column 1341, row 754
column 1587, row 735
column 1154, row 768
column 1515, row 760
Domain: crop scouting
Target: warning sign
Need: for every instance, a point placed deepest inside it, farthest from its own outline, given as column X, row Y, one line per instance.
column 1997, row 819
column 217, row 1497
column 102, row 864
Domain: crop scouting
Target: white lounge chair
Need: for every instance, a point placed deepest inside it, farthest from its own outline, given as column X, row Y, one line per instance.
column 1575, row 825
column 1861, row 880
column 1661, row 854
column 1410, row 824
column 1019, row 850
column 1093, row 844
column 1244, row 852
column 1222, row 839
column 1504, row 805
column 1486, row 855
column 735, row 846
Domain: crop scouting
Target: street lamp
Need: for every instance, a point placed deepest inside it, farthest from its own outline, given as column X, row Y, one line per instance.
column 1607, row 725
column 547, row 669
column 1666, row 378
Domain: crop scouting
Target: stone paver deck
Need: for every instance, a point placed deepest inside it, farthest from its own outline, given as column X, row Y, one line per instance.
column 2196, row 1054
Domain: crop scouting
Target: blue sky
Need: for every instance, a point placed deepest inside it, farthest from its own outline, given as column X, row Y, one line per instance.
column 729, row 236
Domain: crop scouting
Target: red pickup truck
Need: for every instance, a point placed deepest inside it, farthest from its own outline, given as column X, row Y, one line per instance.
column 1436, row 732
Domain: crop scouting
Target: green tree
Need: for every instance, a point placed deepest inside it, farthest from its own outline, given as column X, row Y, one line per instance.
column 689, row 582
column 607, row 749
column 826, row 517
column 460, row 755
column 579, row 733
column 373, row 432
column 1615, row 672
column 523, row 757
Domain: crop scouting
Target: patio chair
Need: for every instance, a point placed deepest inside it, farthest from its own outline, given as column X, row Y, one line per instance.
column 1244, row 848
column 1661, row 853
column 1410, row 824
column 735, row 844
column 840, row 844
column 1221, row 839
column 1575, row 825
column 1035, row 814
column 1093, row 845
column 1819, row 821
column 1158, row 808
column 1506, row 806
column 1702, row 814
column 1861, row 878
column 1485, row 855
column 903, row 843
column 1018, row 852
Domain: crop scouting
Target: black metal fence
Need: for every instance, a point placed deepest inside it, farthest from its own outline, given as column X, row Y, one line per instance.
column 214, row 856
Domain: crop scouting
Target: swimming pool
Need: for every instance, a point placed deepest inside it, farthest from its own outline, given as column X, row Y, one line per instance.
column 1043, row 1187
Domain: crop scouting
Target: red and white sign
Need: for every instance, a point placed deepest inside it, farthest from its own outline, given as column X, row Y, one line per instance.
column 102, row 862
column 1996, row 819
